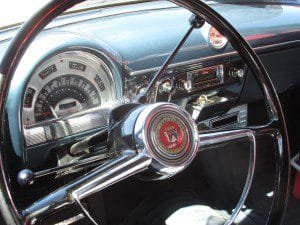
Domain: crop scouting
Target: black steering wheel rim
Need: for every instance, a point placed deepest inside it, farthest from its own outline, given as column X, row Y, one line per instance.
column 32, row 28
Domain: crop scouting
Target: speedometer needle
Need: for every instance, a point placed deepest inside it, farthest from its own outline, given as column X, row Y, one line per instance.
column 53, row 112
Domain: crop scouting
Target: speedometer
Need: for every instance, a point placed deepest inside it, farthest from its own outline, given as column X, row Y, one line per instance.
column 72, row 84
column 65, row 95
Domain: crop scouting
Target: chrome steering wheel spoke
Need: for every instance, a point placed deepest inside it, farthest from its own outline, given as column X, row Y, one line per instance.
column 208, row 140
column 127, row 164
column 162, row 137
column 211, row 140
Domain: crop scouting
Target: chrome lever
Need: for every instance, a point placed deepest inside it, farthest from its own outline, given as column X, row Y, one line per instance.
column 27, row 177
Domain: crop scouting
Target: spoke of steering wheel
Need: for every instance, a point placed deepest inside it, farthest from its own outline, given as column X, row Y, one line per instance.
column 212, row 139
column 127, row 164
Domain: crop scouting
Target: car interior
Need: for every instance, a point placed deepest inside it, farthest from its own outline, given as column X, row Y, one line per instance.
column 131, row 112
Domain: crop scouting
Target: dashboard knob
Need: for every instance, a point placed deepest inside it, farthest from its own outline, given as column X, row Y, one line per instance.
column 165, row 87
column 25, row 177
column 188, row 86
column 236, row 73
column 141, row 89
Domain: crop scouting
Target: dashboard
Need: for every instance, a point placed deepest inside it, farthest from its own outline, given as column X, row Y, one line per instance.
column 69, row 80
column 70, row 94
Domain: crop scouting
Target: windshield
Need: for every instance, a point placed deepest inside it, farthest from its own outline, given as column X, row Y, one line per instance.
column 12, row 15
column 257, row 1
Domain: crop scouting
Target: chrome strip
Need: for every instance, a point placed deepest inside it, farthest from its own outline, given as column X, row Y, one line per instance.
column 1, row 79
column 211, row 57
column 240, row 111
column 224, row 117
column 73, row 165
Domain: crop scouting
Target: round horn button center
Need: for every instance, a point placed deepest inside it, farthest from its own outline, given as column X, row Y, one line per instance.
column 168, row 134
column 171, row 135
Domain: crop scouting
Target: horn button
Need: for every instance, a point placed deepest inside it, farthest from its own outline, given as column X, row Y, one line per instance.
column 168, row 134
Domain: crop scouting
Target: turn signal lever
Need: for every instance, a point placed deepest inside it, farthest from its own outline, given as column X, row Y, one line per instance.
column 27, row 177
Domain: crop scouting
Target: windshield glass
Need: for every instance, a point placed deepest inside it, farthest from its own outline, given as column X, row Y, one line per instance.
column 256, row 1
column 13, row 12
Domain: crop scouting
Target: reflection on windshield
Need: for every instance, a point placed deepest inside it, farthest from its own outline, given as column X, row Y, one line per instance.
column 11, row 15
column 256, row 1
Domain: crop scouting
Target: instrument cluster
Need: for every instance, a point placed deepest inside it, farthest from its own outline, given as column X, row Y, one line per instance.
column 67, row 94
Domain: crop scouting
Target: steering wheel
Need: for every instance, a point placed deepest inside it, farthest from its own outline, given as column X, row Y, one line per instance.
column 136, row 131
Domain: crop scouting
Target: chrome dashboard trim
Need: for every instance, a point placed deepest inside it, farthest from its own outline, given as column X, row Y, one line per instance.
column 241, row 112
column 259, row 50
column 66, row 127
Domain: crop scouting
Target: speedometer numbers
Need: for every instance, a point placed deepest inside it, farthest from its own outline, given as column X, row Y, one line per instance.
column 47, row 71
column 28, row 97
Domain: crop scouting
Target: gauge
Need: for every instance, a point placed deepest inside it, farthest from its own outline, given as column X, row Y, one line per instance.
column 65, row 95
column 66, row 84
column 216, row 39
